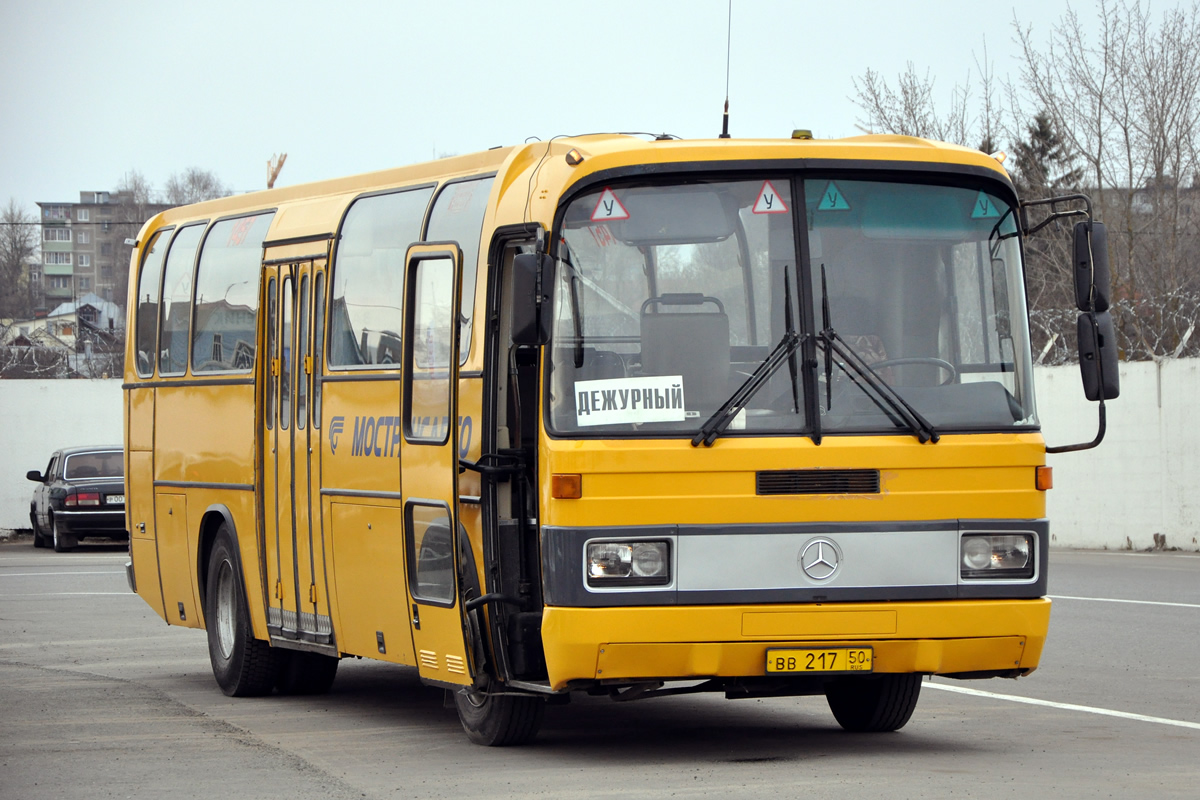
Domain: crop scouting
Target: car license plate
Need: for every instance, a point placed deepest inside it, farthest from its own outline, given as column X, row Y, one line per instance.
column 822, row 659
column 113, row 499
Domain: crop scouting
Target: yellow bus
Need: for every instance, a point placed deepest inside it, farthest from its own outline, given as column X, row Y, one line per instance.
column 604, row 414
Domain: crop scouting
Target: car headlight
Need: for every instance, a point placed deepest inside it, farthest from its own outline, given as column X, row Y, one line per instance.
column 628, row 563
column 996, row 556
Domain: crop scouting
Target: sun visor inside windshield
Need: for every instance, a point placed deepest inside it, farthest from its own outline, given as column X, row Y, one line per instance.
column 656, row 216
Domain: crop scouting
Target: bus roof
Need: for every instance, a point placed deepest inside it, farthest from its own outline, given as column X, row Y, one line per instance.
column 555, row 174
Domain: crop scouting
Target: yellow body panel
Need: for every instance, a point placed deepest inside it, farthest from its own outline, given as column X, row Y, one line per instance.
column 709, row 641
column 205, row 434
column 669, row 481
column 368, row 555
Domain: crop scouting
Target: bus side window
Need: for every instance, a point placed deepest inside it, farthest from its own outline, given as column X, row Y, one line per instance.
column 285, row 354
column 269, row 399
column 227, row 295
column 302, row 353
column 457, row 216
column 177, row 301
column 368, row 275
column 147, row 307
column 318, row 345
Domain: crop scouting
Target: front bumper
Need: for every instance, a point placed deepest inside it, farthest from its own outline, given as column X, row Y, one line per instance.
column 693, row 642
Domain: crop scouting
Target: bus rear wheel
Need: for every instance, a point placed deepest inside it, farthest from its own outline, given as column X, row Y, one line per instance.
column 499, row 720
column 875, row 704
column 306, row 673
column 243, row 666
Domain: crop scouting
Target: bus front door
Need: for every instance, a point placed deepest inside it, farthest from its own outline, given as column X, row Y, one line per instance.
column 297, row 601
column 429, row 461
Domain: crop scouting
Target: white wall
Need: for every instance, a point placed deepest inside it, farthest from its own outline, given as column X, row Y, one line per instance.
column 1139, row 482
column 39, row 417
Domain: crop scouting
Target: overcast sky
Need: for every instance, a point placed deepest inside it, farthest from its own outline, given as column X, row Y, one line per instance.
column 91, row 90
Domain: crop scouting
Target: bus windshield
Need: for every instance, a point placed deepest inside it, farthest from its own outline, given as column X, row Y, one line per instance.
column 668, row 297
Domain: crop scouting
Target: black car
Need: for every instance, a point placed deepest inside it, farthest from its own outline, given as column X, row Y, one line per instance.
column 81, row 494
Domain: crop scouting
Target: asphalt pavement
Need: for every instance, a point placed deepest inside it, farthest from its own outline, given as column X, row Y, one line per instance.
column 99, row 698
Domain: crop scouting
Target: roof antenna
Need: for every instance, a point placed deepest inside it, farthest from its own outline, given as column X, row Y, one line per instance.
column 728, row 38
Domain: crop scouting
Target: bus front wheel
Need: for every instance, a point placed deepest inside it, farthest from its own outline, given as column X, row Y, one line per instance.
column 243, row 666
column 875, row 704
column 497, row 720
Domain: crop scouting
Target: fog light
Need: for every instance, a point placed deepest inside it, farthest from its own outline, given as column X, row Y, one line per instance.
column 997, row 556
column 628, row 563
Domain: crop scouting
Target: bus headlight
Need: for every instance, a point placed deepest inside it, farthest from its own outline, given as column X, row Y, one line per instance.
column 996, row 555
column 628, row 563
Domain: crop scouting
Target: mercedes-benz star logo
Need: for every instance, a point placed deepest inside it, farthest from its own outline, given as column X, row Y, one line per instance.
column 820, row 559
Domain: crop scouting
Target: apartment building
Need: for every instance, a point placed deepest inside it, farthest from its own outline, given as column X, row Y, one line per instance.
column 83, row 247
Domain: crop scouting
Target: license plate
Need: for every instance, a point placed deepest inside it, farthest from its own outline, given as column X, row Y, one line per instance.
column 113, row 499
column 823, row 659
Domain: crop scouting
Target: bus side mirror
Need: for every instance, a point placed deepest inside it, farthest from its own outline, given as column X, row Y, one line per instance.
column 1098, row 356
column 532, row 277
column 1091, row 266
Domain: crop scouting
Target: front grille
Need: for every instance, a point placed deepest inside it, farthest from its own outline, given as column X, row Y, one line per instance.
column 818, row 481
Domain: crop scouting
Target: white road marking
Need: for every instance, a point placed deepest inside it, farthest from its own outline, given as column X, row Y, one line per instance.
column 1126, row 554
column 40, row 574
column 1107, row 712
column 70, row 594
column 1115, row 600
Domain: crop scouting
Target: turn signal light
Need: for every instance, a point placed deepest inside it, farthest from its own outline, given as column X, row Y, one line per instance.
column 1044, row 477
column 566, row 487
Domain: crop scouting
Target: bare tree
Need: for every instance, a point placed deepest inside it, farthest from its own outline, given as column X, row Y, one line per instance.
column 134, row 185
column 910, row 108
column 18, row 243
column 1128, row 106
column 194, row 185
column 135, row 198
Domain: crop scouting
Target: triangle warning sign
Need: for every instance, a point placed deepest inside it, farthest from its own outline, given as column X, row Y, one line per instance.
column 769, row 201
column 832, row 199
column 608, row 208
column 985, row 208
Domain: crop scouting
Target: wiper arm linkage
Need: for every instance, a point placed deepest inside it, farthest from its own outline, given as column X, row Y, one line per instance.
column 724, row 415
column 921, row 428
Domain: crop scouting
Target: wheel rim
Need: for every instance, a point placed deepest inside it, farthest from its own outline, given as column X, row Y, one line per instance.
column 225, row 609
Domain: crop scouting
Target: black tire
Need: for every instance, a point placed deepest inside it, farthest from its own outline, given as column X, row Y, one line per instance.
column 243, row 666
column 875, row 704
column 62, row 542
column 499, row 720
column 38, row 539
column 306, row 673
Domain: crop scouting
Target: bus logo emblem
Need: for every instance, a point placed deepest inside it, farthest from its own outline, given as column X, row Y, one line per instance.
column 820, row 559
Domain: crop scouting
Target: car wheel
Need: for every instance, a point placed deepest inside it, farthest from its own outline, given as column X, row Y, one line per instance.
column 243, row 666
column 62, row 542
column 38, row 539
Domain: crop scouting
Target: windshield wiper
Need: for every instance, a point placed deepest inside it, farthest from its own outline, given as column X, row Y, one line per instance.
column 921, row 428
column 883, row 393
column 784, row 351
column 724, row 415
